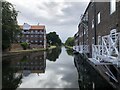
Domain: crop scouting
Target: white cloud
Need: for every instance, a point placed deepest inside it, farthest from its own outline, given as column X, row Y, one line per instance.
column 61, row 16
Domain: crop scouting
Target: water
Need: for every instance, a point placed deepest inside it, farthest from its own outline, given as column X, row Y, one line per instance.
column 56, row 68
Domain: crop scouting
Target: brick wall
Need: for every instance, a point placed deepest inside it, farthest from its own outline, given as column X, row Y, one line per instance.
column 16, row 47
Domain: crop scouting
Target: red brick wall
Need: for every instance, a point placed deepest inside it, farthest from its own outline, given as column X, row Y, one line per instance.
column 16, row 47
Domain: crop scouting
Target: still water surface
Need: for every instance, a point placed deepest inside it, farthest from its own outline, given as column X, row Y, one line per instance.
column 56, row 68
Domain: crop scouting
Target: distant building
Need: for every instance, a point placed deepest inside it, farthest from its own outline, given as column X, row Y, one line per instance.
column 33, row 34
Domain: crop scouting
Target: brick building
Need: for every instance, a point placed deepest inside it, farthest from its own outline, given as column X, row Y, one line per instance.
column 33, row 34
column 98, row 20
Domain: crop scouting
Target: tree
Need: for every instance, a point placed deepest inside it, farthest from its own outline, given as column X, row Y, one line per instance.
column 70, row 41
column 10, row 27
column 53, row 39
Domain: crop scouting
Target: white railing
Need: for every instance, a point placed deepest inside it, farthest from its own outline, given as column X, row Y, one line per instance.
column 109, row 50
column 81, row 48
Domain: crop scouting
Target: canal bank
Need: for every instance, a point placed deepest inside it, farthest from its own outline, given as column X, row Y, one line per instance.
column 18, row 52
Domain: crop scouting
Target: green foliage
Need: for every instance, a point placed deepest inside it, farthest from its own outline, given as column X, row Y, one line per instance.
column 9, row 79
column 53, row 54
column 70, row 41
column 53, row 39
column 10, row 27
column 24, row 45
column 69, row 52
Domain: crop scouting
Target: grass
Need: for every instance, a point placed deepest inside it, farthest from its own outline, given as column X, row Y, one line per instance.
column 51, row 47
column 32, row 50
column 69, row 47
column 28, row 50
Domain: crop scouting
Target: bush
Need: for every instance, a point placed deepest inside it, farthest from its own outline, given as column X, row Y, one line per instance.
column 24, row 45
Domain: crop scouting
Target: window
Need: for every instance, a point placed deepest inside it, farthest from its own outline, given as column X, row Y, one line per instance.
column 93, row 23
column 36, row 35
column 27, row 40
column 40, row 35
column 99, row 40
column 98, row 17
column 31, row 31
column 112, row 6
column 26, row 35
column 31, row 35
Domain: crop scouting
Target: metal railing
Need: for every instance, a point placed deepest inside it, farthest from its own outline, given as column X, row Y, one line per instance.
column 81, row 48
column 109, row 50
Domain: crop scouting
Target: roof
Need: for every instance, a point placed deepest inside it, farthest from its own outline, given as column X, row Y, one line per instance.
column 38, row 27
column 35, row 27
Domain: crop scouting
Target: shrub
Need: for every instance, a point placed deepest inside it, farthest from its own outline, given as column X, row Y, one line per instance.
column 24, row 45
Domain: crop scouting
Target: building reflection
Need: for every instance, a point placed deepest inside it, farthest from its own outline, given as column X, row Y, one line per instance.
column 88, row 77
column 19, row 66
column 30, row 63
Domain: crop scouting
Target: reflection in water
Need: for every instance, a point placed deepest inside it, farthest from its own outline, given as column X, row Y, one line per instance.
column 89, row 79
column 53, row 54
column 9, row 78
column 33, row 70
column 58, row 74
column 69, row 52
column 18, row 67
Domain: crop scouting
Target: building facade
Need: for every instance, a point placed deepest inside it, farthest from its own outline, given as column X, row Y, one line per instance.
column 99, row 19
column 33, row 34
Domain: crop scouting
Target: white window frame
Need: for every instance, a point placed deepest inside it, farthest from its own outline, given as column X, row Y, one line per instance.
column 112, row 6
column 98, row 17
column 92, row 23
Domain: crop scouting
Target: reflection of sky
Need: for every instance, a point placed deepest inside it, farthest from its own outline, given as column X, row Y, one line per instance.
column 59, row 74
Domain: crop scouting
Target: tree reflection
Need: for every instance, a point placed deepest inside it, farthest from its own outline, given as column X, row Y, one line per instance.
column 53, row 54
column 9, row 79
column 19, row 66
column 69, row 52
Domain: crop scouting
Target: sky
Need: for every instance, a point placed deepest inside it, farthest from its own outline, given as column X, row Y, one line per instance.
column 61, row 16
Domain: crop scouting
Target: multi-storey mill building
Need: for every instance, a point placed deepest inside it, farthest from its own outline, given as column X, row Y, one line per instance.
column 33, row 34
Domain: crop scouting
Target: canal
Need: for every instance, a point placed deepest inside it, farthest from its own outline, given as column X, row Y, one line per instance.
column 57, row 68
